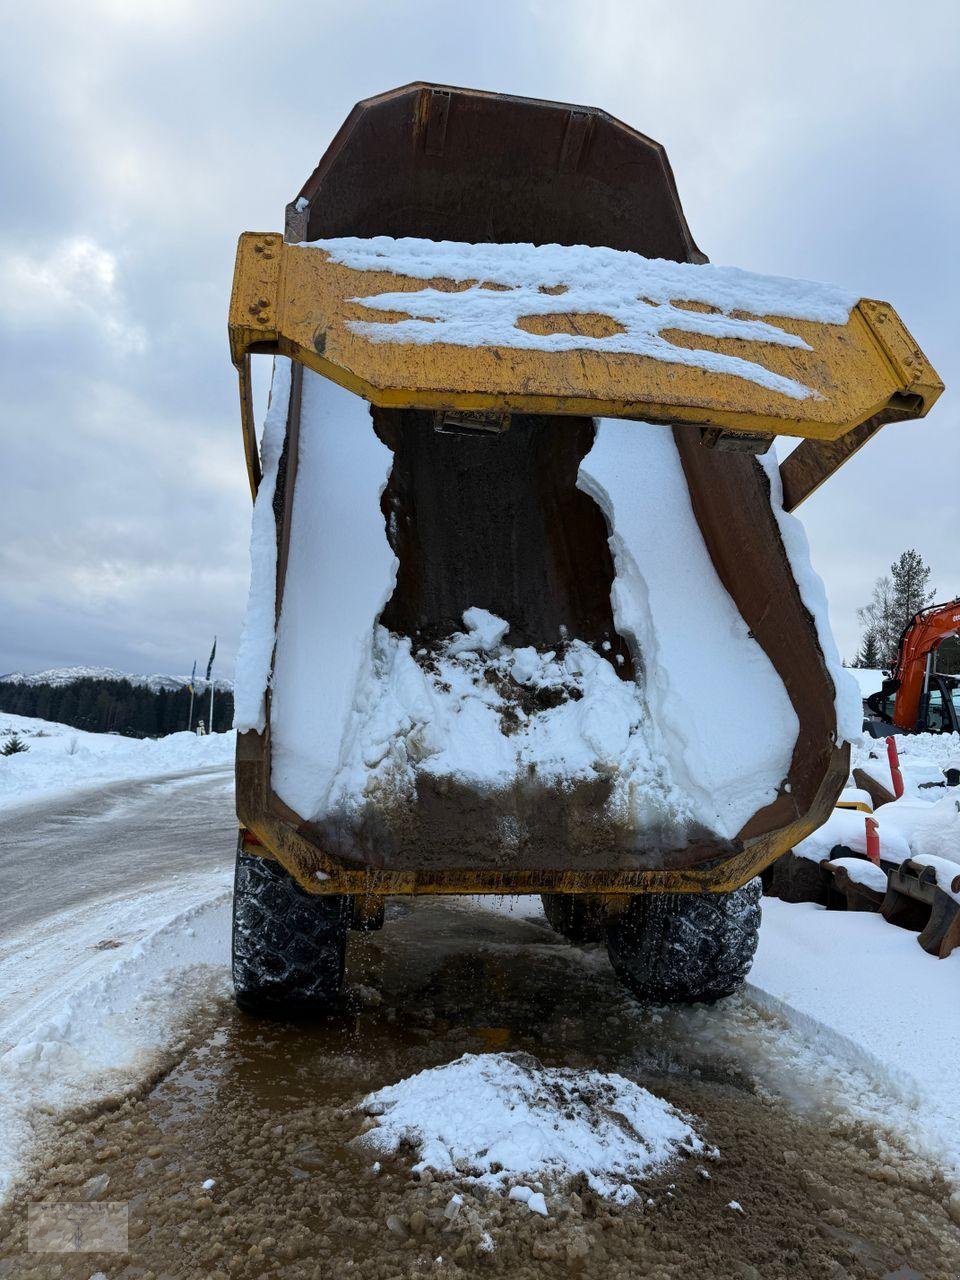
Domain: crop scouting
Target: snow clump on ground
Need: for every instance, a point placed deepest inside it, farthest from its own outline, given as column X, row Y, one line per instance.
column 498, row 1119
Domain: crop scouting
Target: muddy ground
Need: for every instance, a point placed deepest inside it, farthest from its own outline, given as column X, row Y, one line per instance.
column 268, row 1112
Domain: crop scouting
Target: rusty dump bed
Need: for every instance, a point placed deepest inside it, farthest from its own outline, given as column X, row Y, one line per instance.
column 496, row 517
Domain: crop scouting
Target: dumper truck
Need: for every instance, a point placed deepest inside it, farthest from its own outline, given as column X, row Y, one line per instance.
column 529, row 613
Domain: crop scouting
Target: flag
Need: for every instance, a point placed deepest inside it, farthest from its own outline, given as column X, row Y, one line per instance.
column 213, row 653
column 193, row 676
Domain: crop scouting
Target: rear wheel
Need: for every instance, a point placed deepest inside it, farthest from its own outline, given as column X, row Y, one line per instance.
column 681, row 948
column 288, row 945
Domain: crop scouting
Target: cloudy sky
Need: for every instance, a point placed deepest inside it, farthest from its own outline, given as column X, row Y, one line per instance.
column 140, row 136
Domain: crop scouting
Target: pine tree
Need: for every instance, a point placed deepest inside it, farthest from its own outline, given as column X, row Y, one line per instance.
column 869, row 655
column 911, row 592
column 897, row 596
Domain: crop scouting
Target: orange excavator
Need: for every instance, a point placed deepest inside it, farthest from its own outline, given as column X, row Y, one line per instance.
column 918, row 698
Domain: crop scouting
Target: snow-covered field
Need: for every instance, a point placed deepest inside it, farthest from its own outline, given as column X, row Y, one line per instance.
column 60, row 759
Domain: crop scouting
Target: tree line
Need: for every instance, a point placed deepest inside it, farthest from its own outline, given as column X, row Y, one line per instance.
column 116, row 706
column 897, row 597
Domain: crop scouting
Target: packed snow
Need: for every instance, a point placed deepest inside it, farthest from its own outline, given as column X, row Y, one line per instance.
column 460, row 717
column 255, row 652
column 640, row 295
column 60, row 759
column 863, row 872
column 848, row 701
column 340, row 574
column 501, row 1118
column 728, row 765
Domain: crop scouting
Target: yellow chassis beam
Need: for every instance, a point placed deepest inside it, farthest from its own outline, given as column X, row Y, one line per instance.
column 295, row 301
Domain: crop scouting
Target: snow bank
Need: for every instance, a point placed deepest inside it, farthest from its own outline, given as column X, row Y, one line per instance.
column 109, row 1033
column 499, row 1118
column 63, row 759
column 666, row 601
column 340, row 574
column 852, row 973
column 255, row 653
column 638, row 294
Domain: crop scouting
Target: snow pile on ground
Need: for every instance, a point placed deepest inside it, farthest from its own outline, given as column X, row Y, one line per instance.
column 59, row 758
column 639, row 295
column 925, row 820
column 499, row 1118
column 112, row 1031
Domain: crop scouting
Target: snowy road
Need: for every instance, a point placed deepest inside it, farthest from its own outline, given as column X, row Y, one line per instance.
column 84, row 878
column 108, row 840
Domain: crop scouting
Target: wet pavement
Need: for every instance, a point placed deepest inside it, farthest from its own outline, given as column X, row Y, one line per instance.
column 268, row 1112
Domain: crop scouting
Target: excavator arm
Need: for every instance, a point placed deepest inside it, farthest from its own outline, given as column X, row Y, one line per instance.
column 494, row 329
column 921, row 638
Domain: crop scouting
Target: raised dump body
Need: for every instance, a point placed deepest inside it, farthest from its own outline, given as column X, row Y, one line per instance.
column 527, row 611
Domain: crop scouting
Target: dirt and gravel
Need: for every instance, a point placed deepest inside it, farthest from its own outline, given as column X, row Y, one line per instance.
column 268, row 1112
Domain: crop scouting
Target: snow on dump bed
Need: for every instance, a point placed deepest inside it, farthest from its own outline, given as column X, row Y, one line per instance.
column 638, row 294
column 725, row 722
column 501, row 1117
column 340, row 573
column 458, row 713
column 357, row 715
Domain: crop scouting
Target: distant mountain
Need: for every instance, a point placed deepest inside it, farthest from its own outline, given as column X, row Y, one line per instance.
column 58, row 677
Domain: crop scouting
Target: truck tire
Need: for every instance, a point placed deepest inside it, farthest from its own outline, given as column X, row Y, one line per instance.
column 682, row 948
column 577, row 916
column 288, row 945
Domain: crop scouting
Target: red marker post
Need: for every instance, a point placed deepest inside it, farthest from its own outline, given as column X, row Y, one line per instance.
column 893, row 758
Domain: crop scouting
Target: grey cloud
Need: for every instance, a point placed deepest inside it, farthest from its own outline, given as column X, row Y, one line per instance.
column 813, row 141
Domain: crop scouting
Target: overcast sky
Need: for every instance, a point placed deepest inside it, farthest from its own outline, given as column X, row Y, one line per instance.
column 141, row 136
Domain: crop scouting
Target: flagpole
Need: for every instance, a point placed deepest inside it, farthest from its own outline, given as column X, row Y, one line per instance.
column 213, row 654
column 193, row 681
